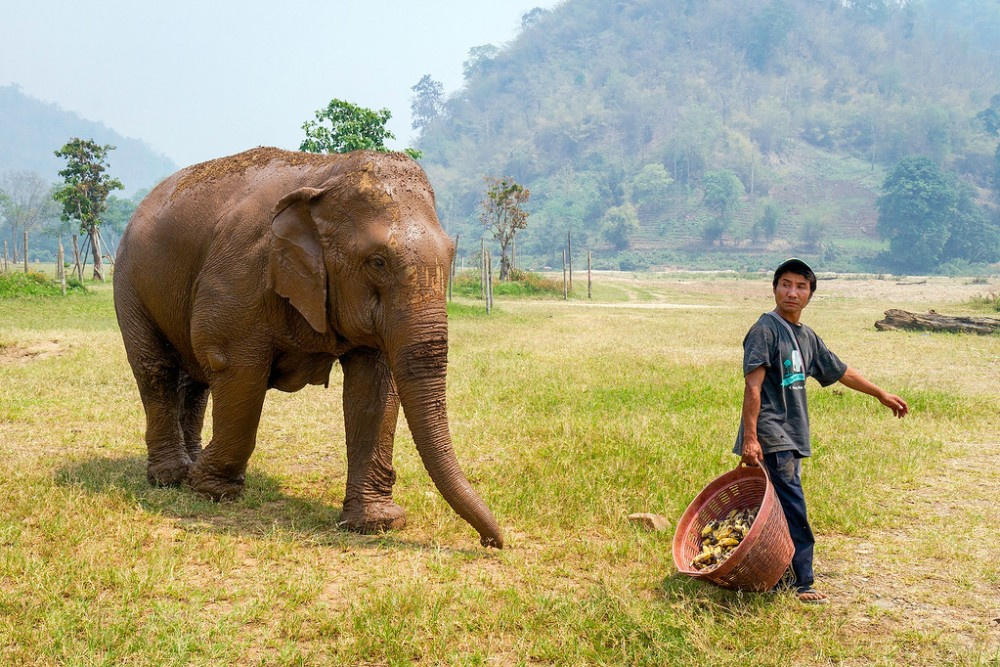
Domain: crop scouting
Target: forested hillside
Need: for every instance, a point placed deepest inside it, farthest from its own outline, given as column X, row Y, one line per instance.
column 718, row 132
column 31, row 131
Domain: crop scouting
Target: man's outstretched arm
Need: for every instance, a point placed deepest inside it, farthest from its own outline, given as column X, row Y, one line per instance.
column 854, row 380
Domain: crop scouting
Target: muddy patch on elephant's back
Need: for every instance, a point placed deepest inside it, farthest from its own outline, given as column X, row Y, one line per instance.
column 15, row 353
column 240, row 163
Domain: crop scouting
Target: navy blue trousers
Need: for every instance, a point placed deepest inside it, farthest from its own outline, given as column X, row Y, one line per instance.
column 785, row 470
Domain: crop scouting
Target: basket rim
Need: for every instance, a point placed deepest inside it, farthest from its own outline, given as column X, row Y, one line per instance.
column 712, row 489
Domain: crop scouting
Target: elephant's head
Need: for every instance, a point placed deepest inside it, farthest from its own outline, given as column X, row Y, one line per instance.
column 364, row 258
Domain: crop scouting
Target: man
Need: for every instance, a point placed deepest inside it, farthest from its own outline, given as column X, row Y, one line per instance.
column 779, row 353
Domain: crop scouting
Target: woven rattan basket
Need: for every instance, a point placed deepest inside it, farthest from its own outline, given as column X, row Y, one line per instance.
column 760, row 560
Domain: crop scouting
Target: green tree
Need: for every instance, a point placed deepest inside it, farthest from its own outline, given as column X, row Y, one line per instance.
column 768, row 33
column 813, row 232
column 85, row 193
column 914, row 212
column 343, row 127
column 619, row 225
column 990, row 116
column 427, row 102
column 723, row 190
column 715, row 229
column 650, row 188
column 767, row 225
column 973, row 236
column 502, row 212
column 479, row 60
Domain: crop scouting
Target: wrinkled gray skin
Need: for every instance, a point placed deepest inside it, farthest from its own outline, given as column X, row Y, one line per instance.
column 260, row 270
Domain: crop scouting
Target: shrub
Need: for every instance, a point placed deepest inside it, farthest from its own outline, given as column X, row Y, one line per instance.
column 33, row 283
column 521, row 283
column 991, row 300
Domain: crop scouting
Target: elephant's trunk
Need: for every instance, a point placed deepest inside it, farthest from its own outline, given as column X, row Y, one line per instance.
column 420, row 371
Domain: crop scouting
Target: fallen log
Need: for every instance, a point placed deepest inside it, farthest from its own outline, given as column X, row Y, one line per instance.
column 932, row 321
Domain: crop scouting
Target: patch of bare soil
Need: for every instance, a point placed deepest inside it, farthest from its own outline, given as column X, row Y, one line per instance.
column 933, row 576
column 14, row 353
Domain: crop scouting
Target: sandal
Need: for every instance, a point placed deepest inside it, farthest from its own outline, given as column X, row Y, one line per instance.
column 812, row 596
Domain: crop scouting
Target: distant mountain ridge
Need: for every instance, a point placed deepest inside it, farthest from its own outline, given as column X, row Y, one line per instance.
column 32, row 130
column 809, row 103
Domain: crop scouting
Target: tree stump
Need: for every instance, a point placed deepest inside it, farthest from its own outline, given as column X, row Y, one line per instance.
column 932, row 321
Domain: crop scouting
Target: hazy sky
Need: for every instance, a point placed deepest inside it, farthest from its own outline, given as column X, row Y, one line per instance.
column 198, row 79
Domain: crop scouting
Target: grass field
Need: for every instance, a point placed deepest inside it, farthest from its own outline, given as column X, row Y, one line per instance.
column 566, row 417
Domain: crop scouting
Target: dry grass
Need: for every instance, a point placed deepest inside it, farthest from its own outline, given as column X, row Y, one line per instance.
column 566, row 418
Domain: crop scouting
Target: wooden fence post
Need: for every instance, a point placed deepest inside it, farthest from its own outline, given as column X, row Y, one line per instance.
column 482, row 269
column 588, row 274
column 565, row 289
column 26, row 251
column 569, row 256
column 489, row 283
column 60, row 269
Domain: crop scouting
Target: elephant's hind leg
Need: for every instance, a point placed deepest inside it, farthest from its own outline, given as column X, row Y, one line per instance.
column 371, row 407
column 194, row 400
column 157, row 373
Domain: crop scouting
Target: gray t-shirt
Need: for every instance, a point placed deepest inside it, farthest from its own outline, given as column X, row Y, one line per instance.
column 783, row 423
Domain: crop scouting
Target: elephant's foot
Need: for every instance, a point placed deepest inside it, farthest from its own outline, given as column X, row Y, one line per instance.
column 214, row 486
column 372, row 517
column 168, row 473
column 193, row 449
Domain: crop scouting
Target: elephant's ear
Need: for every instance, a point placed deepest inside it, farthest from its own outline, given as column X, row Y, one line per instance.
column 296, row 270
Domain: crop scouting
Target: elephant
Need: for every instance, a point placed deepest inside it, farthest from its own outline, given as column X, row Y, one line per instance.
column 259, row 271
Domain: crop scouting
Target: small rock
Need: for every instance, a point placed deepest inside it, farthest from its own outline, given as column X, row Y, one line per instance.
column 655, row 522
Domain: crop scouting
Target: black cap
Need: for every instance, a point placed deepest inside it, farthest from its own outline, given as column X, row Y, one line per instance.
column 797, row 266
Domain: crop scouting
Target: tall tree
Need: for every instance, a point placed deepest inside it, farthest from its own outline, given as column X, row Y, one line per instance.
column 914, row 212
column 343, row 127
column 723, row 190
column 26, row 203
column 973, row 235
column 501, row 212
column 990, row 116
column 427, row 102
column 767, row 224
column 618, row 226
column 479, row 60
column 768, row 32
column 650, row 188
column 85, row 193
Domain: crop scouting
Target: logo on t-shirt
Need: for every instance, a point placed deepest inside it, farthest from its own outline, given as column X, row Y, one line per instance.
column 793, row 370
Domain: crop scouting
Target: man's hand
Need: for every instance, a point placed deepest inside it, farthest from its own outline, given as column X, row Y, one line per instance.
column 895, row 403
column 856, row 381
column 752, row 455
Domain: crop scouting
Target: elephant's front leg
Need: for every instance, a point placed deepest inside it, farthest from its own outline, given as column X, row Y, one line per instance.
column 371, row 407
column 237, row 398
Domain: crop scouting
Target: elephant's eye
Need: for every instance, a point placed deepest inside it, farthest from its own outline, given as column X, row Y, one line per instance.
column 377, row 261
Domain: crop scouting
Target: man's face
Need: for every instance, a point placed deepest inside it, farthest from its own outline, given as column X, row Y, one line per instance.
column 792, row 293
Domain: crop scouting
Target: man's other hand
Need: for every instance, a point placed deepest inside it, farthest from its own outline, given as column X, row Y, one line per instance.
column 896, row 404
